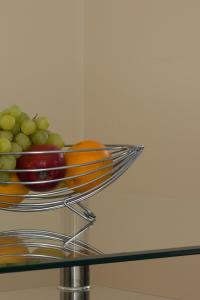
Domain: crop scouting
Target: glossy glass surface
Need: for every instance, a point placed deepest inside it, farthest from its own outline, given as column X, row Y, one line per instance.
column 96, row 293
column 47, row 253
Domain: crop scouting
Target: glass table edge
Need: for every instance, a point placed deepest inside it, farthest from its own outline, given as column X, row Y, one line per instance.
column 104, row 259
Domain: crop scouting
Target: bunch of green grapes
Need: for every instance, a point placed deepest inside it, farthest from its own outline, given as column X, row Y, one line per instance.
column 18, row 132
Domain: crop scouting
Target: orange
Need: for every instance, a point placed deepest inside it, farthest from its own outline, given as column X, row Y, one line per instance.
column 12, row 189
column 74, row 158
column 12, row 250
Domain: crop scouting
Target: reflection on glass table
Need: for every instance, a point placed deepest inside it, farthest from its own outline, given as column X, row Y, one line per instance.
column 96, row 293
column 23, row 250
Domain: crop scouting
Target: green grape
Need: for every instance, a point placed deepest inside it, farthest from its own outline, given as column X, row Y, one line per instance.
column 55, row 139
column 5, row 145
column 4, row 176
column 16, row 128
column 23, row 116
column 42, row 123
column 1, row 115
column 7, row 122
column 7, row 162
column 39, row 137
column 13, row 111
column 16, row 148
column 22, row 140
column 6, row 134
column 28, row 127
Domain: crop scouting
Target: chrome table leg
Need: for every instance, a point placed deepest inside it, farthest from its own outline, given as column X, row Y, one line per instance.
column 74, row 283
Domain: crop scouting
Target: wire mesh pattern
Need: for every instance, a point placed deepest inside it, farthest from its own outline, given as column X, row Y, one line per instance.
column 101, row 173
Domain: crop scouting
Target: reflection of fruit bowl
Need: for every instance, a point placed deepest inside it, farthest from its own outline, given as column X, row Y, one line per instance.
column 80, row 181
column 12, row 250
column 29, row 246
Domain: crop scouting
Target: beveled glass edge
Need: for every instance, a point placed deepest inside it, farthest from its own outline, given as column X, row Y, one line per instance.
column 105, row 259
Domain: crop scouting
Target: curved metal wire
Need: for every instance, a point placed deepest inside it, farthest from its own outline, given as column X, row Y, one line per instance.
column 49, row 245
column 102, row 172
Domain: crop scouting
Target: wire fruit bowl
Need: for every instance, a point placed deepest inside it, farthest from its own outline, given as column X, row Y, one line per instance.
column 44, row 245
column 111, row 168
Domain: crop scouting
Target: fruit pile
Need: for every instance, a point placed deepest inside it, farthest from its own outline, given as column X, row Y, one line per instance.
column 31, row 159
column 33, row 152
column 18, row 132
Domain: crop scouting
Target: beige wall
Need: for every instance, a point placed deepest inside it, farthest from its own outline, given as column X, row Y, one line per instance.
column 174, row 278
column 142, row 86
column 142, row 69
column 41, row 69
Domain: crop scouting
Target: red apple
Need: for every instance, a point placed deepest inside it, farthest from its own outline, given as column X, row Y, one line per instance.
column 41, row 161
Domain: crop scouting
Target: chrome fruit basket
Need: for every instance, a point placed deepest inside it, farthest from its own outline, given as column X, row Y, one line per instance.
column 49, row 245
column 121, row 157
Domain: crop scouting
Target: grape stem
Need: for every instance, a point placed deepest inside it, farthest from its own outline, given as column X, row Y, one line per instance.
column 35, row 117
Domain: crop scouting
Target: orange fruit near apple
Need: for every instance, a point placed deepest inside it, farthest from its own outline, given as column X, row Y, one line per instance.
column 12, row 189
column 76, row 158
column 14, row 253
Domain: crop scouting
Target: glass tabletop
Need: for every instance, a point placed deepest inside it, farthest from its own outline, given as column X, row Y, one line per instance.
column 96, row 293
column 23, row 250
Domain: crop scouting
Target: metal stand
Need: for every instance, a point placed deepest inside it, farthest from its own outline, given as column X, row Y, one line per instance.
column 108, row 168
column 74, row 283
